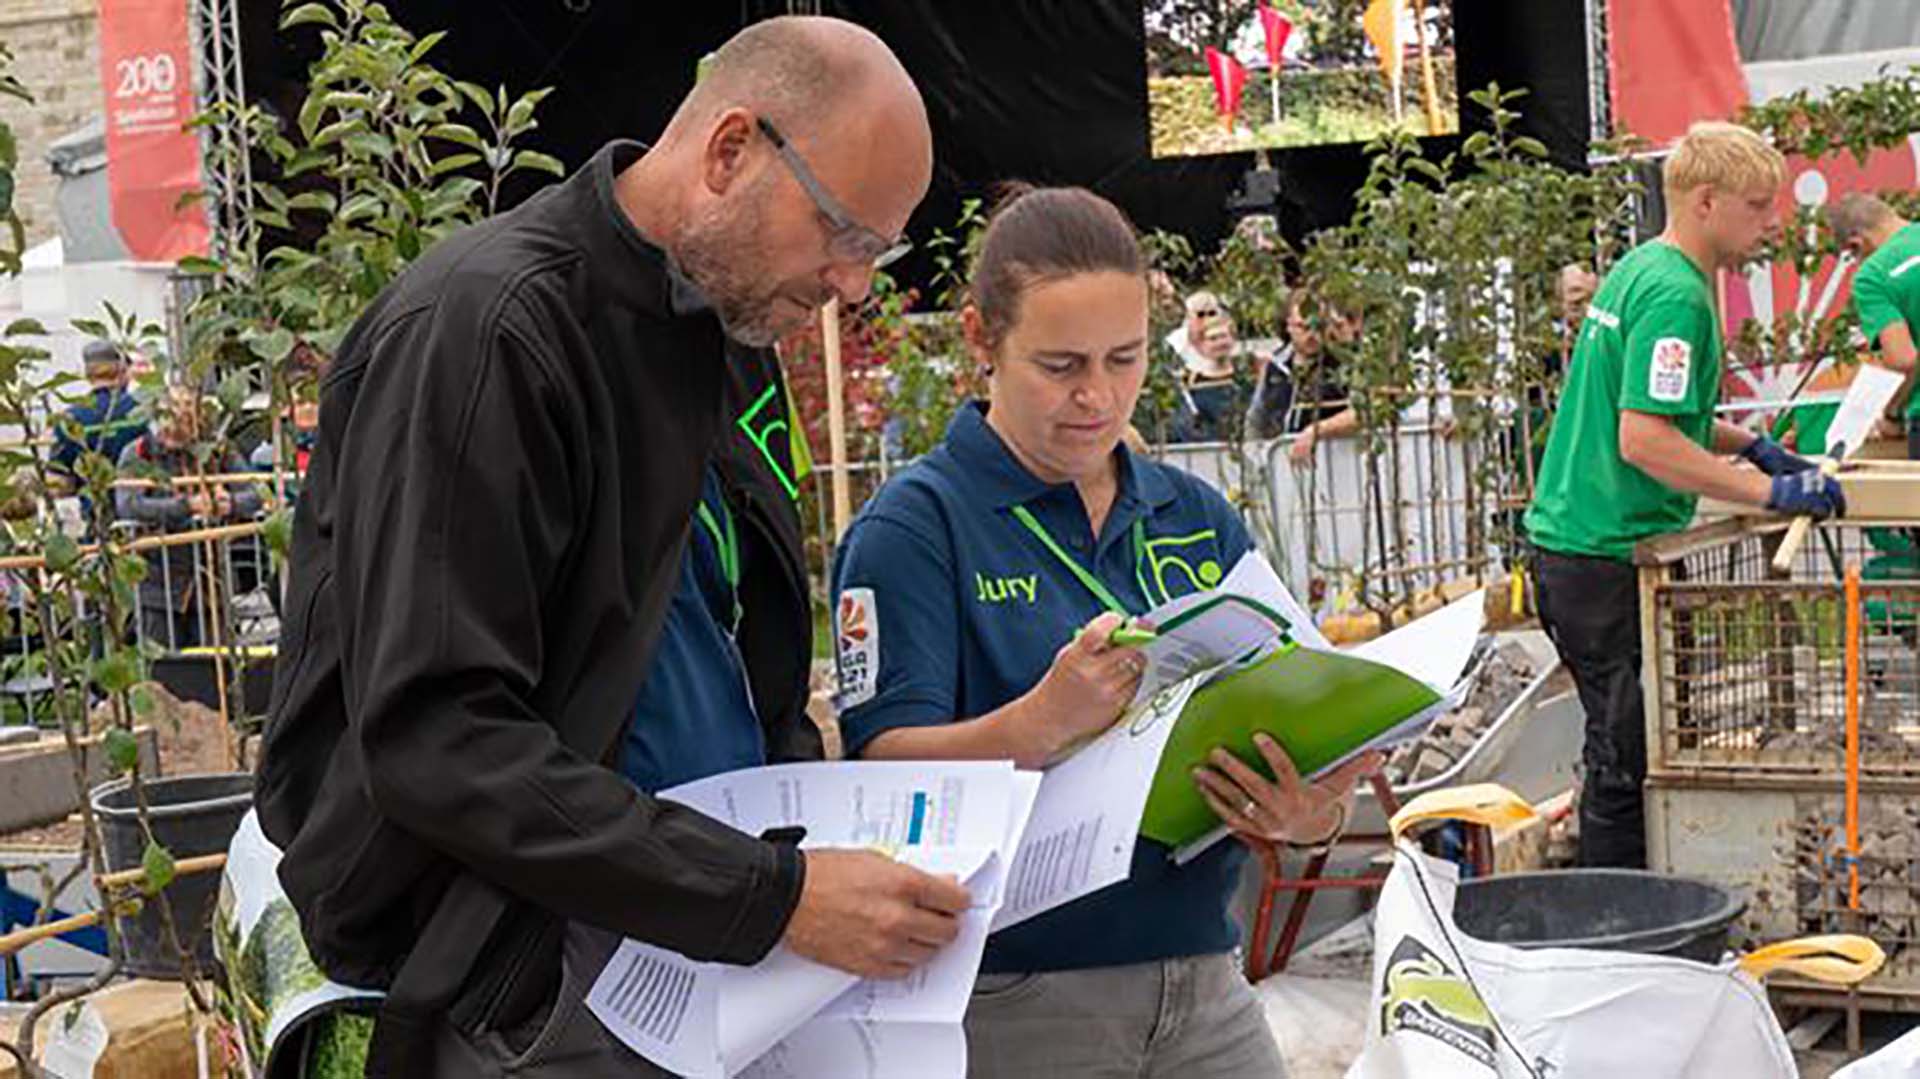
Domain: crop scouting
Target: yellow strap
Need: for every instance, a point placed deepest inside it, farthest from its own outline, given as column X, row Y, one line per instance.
column 1483, row 803
column 798, row 451
column 1842, row 959
column 1517, row 593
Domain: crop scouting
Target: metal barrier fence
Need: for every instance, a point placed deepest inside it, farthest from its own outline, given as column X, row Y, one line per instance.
column 206, row 590
column 1416, row 522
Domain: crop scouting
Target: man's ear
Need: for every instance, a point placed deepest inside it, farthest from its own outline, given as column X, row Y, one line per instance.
column 728, row 150
column 1700, row 201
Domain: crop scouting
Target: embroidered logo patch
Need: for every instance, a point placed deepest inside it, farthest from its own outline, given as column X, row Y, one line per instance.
column 1672, row 363
column 856, row 635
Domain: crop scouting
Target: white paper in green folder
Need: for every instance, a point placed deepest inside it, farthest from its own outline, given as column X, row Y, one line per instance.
column 1324, row 706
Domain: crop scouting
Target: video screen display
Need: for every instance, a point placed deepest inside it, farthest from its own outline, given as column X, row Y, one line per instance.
column 1225, row 76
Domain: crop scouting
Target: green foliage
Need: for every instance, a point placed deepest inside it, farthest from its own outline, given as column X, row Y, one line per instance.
column 1248, row 274
column 1316, row 106
column 123, row 750
column 953, row 254
column 1179, row 32
column 1335, row 33
column 386, row 155
column 157, row 868
column 1875, row 116
column 1453, row 264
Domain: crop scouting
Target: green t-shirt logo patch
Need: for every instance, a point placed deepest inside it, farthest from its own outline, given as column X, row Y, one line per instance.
column 1667, row 376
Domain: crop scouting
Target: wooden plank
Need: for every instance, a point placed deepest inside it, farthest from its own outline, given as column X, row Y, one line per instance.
column 1661, row 550
column 1882, row 496
column 1809, row 1032
column 1878, row 495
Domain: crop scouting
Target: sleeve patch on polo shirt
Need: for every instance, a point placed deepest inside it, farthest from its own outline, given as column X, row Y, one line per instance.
column 1668, row 374
column 856, row 635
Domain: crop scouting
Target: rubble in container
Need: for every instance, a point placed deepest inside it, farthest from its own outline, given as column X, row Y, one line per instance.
column 1498, row 682
column 1889, row 872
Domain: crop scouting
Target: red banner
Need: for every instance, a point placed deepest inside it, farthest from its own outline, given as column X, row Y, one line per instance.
column 1278, row 29
column 1672, row 62
column 1229, row 79
column 146, row 66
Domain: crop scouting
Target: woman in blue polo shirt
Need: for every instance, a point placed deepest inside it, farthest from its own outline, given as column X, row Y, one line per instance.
column 975, row 596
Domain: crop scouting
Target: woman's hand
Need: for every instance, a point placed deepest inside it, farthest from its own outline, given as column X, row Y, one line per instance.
column 1090, row 683
column 1287, row 809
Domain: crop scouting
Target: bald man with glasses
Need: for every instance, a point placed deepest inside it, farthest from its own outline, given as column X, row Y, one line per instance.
column 512, row 446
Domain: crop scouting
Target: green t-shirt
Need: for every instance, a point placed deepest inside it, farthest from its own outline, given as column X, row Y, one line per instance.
column 1887, row 290
column 1650, row 344
column 1809, row 424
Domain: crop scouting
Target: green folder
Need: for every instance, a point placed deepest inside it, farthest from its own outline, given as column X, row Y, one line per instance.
column 1322, row 707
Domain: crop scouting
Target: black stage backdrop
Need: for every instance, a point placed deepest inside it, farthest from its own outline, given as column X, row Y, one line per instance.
column 1051, row 91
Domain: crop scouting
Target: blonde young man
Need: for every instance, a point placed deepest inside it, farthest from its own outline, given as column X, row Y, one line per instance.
column 1634, row 445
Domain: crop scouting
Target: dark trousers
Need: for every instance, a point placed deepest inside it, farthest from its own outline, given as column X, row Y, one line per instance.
column 1591, row 609
column 561, row 1040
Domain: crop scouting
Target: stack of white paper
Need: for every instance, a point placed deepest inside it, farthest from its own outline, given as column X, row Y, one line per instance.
column 788, row 1015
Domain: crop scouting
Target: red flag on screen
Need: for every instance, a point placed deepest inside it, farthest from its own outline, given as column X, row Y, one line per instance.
column 1229, row 79
column 1278, row 30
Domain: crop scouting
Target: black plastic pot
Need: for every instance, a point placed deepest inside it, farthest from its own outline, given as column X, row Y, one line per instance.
column 1622, row 910
column 191, row 816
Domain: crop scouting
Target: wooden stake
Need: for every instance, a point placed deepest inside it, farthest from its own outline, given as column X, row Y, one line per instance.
column 185, row 867
column 836, row 418
column 1797, row 533
column 144, row 543
column 13, row 942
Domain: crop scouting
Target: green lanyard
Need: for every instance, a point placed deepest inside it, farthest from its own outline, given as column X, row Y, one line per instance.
column 727, row 546
column 1093, row 584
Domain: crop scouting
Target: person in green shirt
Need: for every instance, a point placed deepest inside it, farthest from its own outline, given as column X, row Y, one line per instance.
column 1634, row 445
column 1886, row 289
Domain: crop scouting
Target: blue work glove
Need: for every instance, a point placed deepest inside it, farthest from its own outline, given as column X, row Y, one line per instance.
column 1807, row 494
column 1774, row 459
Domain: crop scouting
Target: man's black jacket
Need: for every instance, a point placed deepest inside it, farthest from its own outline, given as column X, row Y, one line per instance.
column 512, row 443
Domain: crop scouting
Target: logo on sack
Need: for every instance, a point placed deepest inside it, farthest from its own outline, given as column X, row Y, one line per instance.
column 856, row 633
column 1672, row 361
column 1422, row 995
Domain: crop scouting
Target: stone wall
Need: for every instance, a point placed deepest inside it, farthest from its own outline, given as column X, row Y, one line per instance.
column 56, row 53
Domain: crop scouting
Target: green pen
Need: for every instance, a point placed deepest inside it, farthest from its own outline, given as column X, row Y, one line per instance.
column 1132, row 636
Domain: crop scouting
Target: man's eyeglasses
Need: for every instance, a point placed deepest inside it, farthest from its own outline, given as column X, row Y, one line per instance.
column 848, row 240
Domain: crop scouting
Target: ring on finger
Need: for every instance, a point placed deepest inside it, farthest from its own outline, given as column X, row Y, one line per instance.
column 1249, row 809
